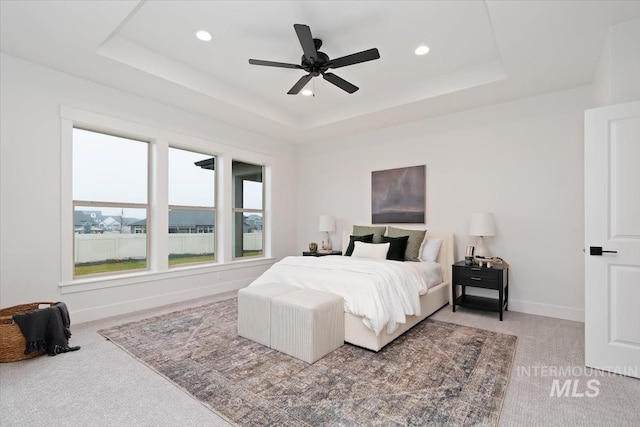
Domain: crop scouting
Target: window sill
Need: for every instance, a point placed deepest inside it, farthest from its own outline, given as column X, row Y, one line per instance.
column 102, row 282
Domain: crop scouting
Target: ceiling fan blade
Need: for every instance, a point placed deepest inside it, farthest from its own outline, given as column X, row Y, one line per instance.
column 306, row 41
column 340, row 82
column 299, row 85
column 355, row 58
column 273, row 64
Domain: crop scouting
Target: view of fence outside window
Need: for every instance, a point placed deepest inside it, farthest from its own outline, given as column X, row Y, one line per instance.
column 192, row 203
column 110, row 203
column 248, row 209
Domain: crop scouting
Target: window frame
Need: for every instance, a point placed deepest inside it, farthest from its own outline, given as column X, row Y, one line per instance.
column 235, row 210
column 97, row 203
column 213, row 209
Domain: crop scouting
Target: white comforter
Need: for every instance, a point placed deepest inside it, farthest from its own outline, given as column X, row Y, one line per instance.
column 382, row 292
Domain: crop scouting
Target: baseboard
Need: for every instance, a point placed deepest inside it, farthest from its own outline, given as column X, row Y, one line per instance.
column 548, row 310
column 102, row 312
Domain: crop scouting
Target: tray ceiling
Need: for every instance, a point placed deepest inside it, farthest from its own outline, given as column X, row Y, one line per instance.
column 481, row 52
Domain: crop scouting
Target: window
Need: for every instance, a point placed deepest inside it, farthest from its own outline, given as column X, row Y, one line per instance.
column 139, row 202
column 110, row 203
column 192, row 213
column 248, row 209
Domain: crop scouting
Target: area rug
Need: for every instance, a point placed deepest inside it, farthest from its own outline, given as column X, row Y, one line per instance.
column 436, row 374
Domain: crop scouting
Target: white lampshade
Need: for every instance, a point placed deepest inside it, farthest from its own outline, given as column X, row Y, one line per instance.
column 327, row 223
column 482, row 224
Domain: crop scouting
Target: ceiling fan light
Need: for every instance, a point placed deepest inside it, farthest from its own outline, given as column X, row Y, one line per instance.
column 307, row 92
column 203, row 35
column 422, row 50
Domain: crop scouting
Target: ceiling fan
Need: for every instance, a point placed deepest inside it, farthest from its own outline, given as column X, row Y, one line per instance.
column 315, row 62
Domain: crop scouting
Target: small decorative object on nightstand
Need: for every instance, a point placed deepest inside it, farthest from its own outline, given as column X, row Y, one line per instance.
column 496, row 278
column 313, row 247
column 468, row 258
column 321, row 253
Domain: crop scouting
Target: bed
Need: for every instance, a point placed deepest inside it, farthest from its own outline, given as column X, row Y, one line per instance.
column 374, row 318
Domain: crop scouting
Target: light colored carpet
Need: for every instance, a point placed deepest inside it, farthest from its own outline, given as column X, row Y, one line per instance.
column 101, row 385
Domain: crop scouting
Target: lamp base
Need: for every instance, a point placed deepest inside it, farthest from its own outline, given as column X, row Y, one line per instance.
column 326, row 244
column 481, row 249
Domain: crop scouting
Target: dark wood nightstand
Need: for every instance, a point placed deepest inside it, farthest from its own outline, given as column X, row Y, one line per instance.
column 496, row 277
column 318, row 253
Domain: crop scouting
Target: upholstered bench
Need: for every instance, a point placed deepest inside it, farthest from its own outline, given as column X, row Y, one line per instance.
column 254, row 310
column 307, row 324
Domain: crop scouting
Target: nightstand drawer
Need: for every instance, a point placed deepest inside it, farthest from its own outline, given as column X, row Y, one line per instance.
column 474, row 276
column 478, row 282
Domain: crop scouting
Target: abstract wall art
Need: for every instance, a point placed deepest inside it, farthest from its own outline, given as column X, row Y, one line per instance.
column 398, row 195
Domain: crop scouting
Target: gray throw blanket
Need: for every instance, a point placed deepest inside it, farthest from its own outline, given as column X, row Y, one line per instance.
column 46, row 329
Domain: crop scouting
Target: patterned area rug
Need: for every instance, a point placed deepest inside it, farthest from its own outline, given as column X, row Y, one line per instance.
column 436, row 374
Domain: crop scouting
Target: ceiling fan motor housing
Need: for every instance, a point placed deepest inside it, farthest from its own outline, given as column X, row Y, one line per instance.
column 317, row 67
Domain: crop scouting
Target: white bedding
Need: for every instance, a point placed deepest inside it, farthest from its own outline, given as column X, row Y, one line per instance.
column 382, row 292
column 430, row 271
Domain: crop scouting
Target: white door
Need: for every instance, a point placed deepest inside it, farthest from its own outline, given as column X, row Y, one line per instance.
column 612, row 224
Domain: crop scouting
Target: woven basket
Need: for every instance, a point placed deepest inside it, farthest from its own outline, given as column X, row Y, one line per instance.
column 12, row 342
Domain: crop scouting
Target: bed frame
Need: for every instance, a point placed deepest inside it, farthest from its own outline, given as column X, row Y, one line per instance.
column 356, row 333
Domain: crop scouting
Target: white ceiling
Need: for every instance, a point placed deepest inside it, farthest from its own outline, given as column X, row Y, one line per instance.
column 482, row 52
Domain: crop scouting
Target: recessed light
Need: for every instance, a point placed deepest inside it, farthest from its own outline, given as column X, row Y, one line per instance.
column 422, row 50
column 203, row 35
column 307, row 92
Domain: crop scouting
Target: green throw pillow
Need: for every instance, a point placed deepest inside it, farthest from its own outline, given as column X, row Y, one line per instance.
column 363, row 230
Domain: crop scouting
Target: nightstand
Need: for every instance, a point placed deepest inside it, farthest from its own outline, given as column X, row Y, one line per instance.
column 496, row 278
column 319, row 253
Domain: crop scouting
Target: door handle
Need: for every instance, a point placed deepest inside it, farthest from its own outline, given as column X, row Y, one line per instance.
column 597, row 250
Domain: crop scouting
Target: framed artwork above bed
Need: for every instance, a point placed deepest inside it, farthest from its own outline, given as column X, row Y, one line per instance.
column 398, row 195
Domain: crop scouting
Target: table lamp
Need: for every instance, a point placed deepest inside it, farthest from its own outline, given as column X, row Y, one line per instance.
column 482, row 225
column 327, row 224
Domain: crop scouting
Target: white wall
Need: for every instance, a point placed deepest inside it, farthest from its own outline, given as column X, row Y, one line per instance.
column 617, row 78
column 522, row 160
column 30, row 193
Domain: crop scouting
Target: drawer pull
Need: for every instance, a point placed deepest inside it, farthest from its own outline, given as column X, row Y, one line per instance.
column 475, row 278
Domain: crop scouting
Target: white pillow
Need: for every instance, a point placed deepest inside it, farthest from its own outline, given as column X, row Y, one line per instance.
column 431, row 249
column 370, row 250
